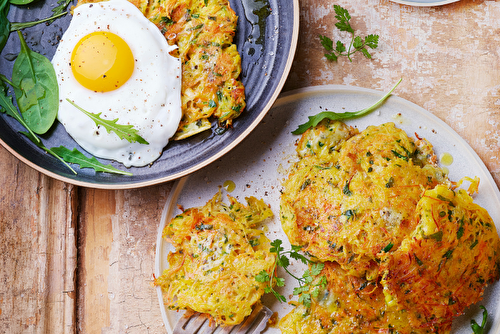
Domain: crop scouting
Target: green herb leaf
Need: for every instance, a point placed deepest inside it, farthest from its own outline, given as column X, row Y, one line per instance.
column 326, row 42
column 16, row 26
column 61, row 8
column 388, row 247
column 38, row 143
column 316, row 268
column 262, row 277
column 372, row 41
column 123, row 131
column 475, row 326
column 9, row 108
column 21, row 2
column 356, row 44
column 35, row 85
column 343, row 16
column 314, row 120
column 76, row 157
column 4, row 23
column 283, row 261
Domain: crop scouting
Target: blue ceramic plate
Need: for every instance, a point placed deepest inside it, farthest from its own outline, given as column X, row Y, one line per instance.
column 266, row 43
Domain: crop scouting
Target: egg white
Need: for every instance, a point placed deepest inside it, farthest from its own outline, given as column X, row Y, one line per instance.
column 150, row 100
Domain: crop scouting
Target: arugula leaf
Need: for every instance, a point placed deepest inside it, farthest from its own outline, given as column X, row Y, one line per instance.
column 314, row 120
column 357, row 42
column 38, row 143
column 9, row 109
column 61, row 8
column 16, row 26
column 35, row 85
column 475, row 326
column 123, row 131
column 76, row 157
column 58, row 12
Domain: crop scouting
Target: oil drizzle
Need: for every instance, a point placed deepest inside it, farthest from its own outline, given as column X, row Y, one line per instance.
column 256, row 13
column 229, row 185
column 446, row 159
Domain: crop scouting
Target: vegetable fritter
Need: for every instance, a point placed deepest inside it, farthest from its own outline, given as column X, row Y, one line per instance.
column 404, row 249
column 446, row 263
column 349, row 304
column 218, row 254
column 351, row 196
column 211, row 65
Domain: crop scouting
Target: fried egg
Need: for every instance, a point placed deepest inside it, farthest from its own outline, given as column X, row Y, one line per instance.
column 114, row 62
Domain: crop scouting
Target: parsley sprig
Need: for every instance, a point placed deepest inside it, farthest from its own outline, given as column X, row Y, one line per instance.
column 308, row 285
column 356, row 44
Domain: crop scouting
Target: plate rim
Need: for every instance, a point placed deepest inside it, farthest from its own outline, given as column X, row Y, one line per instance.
column 230, row 146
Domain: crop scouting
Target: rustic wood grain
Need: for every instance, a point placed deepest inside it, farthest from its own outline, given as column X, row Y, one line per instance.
column 117, row 239
column 37, row 251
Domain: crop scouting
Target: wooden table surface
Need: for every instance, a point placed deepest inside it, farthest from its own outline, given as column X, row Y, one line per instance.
column 81, row 260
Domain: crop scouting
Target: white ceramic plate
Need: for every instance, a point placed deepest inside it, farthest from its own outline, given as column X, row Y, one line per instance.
column 424, row 3
column 259, row 165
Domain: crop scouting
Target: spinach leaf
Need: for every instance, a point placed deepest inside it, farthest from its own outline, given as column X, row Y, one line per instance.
column 8, row 106
column 35, row 85
column 4, row 23
column 21, row 2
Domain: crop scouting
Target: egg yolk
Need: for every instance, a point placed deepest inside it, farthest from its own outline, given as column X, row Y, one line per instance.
column 102, row 61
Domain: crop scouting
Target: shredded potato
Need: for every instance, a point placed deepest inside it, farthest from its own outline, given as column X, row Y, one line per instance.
column 446, row 263
column 405, row 250
column 218, row 254
column 353, row 194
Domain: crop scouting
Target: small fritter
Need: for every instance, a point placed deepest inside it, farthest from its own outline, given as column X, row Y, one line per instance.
column 351, row 196
column 203, row 30
column 446, row 263
column 348, row 304
column 218, row 254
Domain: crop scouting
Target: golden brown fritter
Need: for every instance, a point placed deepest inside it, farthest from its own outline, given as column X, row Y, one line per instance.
column 446, row 263
column 351, row 196
column 405, row 250
column 218, row 253
column 211, row 65
column 349, row 304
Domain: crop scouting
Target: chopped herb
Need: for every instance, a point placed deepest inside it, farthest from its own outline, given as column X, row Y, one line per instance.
column 346, row 189
column 204, row 227
column 390, row 183
column 388, row 247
